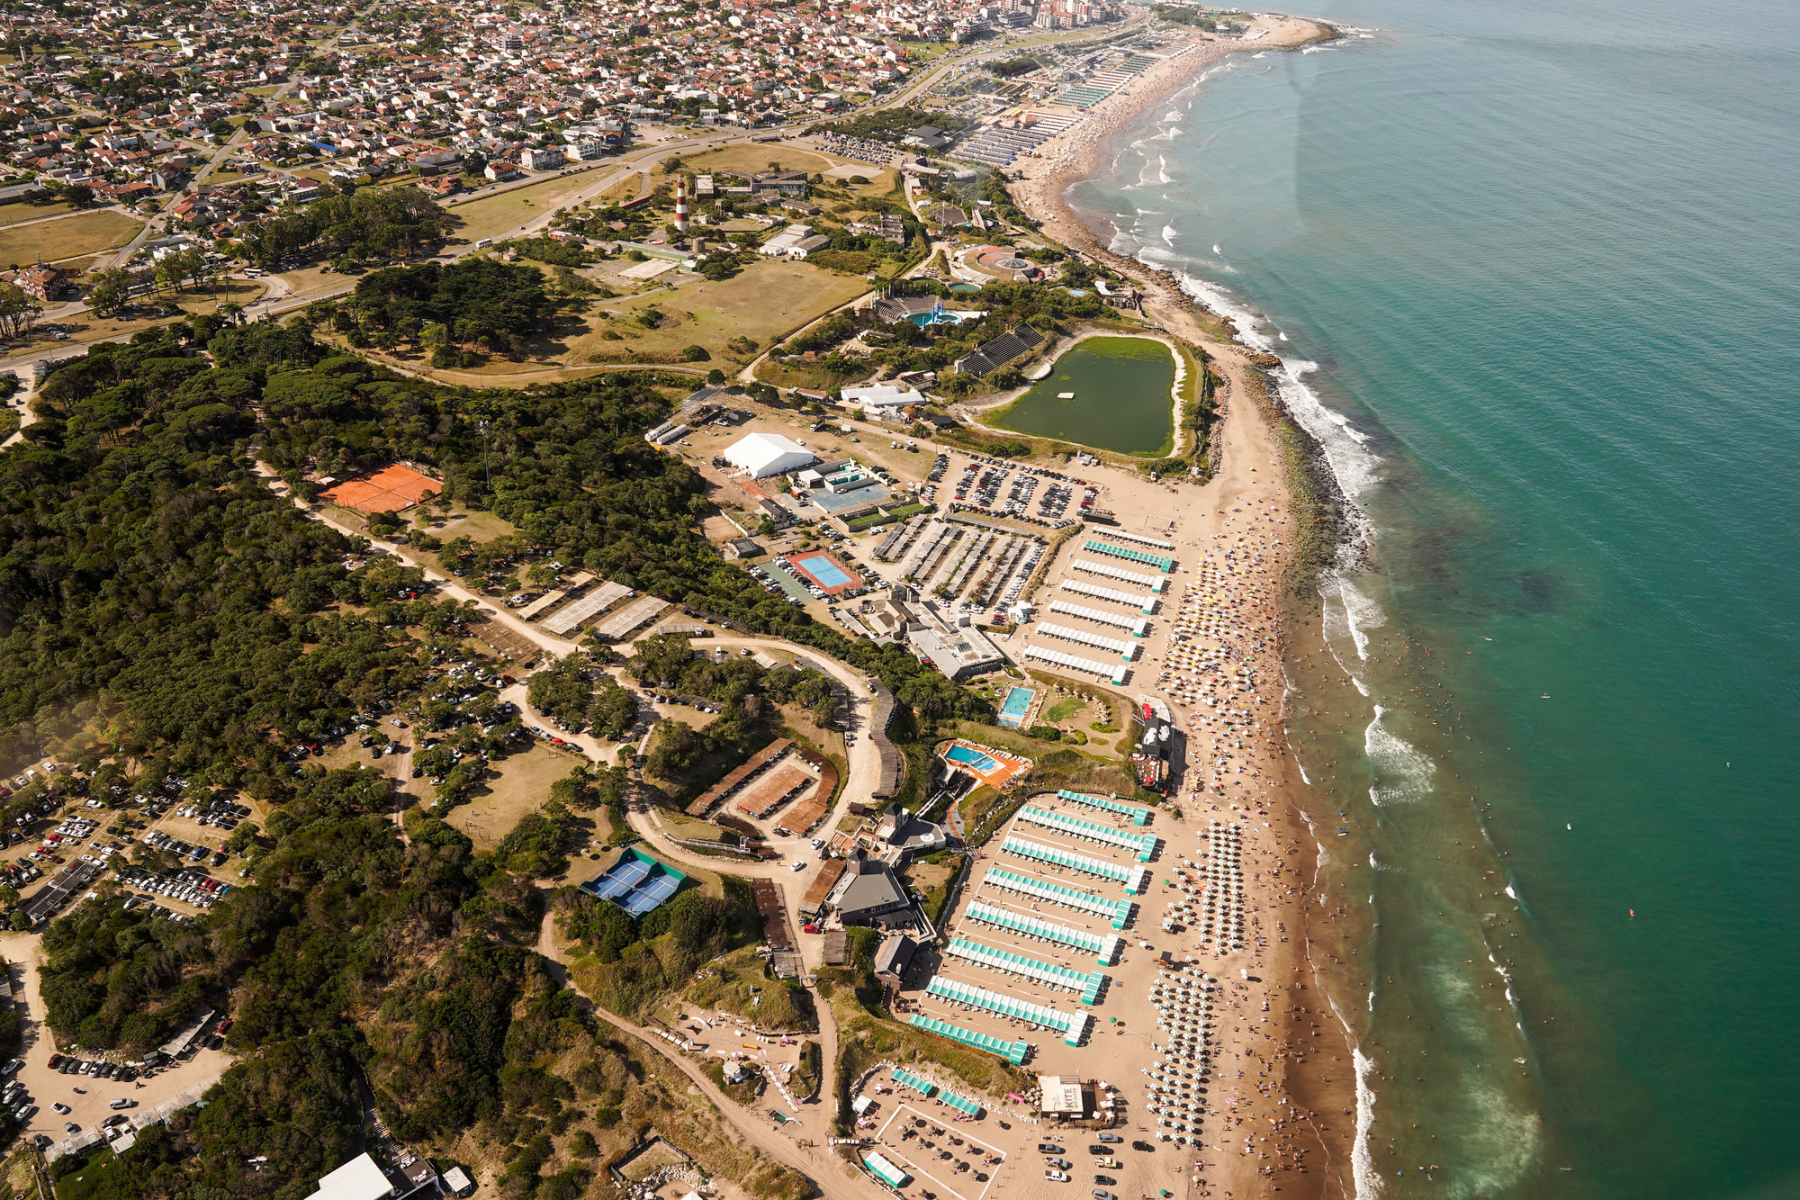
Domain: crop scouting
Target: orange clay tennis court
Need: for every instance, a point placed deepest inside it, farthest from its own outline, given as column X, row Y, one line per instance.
column 390, row 489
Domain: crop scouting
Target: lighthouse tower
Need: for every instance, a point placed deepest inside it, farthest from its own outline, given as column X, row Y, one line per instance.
column 681, row 212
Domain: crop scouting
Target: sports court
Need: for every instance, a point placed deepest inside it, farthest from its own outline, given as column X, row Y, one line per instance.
column 828, row 573
column 636, row 883
column 391, row 489
column 996, row 768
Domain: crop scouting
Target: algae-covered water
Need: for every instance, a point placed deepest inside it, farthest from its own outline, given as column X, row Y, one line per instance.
column 1111, row 393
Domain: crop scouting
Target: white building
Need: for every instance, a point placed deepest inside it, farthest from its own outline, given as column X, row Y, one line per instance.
column 542, row 160
column 882, row 399
column 766, row 454
column 782, row 243
column 358, row 1179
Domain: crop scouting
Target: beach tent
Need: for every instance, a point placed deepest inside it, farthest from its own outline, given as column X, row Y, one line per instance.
column 766, row 454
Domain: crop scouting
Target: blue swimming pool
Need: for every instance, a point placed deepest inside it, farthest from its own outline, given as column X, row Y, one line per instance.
column 942, row 317
column 968, row 756
column 1016, row 704
column 824, row 570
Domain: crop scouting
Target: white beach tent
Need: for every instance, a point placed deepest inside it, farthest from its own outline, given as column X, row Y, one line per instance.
column 765, row 454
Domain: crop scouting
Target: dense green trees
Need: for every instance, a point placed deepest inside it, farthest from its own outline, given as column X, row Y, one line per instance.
column 580, row 696
column 480, row 302
column 371, row 223
column 161, row 607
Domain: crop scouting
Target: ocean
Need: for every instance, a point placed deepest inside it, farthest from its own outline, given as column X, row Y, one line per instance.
column 1533, row 271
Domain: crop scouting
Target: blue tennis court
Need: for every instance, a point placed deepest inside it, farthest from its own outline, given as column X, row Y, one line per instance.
column 821, row 568
column 636, row 883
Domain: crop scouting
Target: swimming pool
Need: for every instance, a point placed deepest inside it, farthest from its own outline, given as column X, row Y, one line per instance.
column 1017, row 703
column 824, row 570
column 943, row 317
column 968, row 756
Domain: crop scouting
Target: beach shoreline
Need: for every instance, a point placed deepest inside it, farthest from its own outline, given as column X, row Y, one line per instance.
column 1286, row 1085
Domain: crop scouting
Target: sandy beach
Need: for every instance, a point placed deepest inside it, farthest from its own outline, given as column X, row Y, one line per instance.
column 1283, row 1106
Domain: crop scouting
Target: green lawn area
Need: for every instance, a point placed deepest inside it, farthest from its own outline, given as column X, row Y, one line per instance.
column 1062, row 710
column 89, row 328
column 766, row 301
column 753, row 158
column 102, row 1175
column 18, row 210
column 802, row 375
column 501, row 215
column 67, row 237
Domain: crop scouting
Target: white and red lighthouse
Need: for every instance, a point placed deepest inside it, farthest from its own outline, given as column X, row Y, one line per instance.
column 681, row 212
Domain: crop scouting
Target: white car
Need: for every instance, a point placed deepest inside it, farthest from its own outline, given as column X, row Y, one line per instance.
column 799, row 864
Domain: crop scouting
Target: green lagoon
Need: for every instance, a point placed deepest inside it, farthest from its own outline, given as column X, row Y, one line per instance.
column 1111, row 393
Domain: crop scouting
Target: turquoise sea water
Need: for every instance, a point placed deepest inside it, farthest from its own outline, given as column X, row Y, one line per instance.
column 1538, row 271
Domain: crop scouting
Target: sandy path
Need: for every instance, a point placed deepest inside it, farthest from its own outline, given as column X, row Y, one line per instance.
column 815, row 1160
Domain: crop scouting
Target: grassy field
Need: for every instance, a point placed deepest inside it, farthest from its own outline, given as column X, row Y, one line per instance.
column 766, row 301
column 89, row 328
column 83, row 233
column 520, row 785
column 803, row 375
column 12, row 214
column 732, row 984
column 749, row 159
column 501, row 215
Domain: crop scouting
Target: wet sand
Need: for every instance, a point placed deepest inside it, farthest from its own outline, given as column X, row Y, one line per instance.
column 1282, row 1113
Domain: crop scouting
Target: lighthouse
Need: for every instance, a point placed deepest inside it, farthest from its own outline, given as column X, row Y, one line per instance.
column 681, row 213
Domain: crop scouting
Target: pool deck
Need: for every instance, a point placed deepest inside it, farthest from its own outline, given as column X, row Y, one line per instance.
column 1021, row 719
column 1006, row 768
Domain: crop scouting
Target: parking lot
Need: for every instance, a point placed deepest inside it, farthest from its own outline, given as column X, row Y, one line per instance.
column 87, row 1098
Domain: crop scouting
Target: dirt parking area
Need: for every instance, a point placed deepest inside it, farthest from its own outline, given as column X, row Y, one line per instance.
column 87, row 1099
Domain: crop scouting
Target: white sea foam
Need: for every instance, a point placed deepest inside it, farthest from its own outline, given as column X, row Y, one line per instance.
column 1355, row 466
column 1404, row 775
column 1169, row 234
column 1362, row 1167
column 1361, row 613
column 1510, row 1143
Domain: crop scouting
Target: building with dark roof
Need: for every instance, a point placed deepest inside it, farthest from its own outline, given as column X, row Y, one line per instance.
column 991, row 356
column 868, row 892
column 894, row 957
